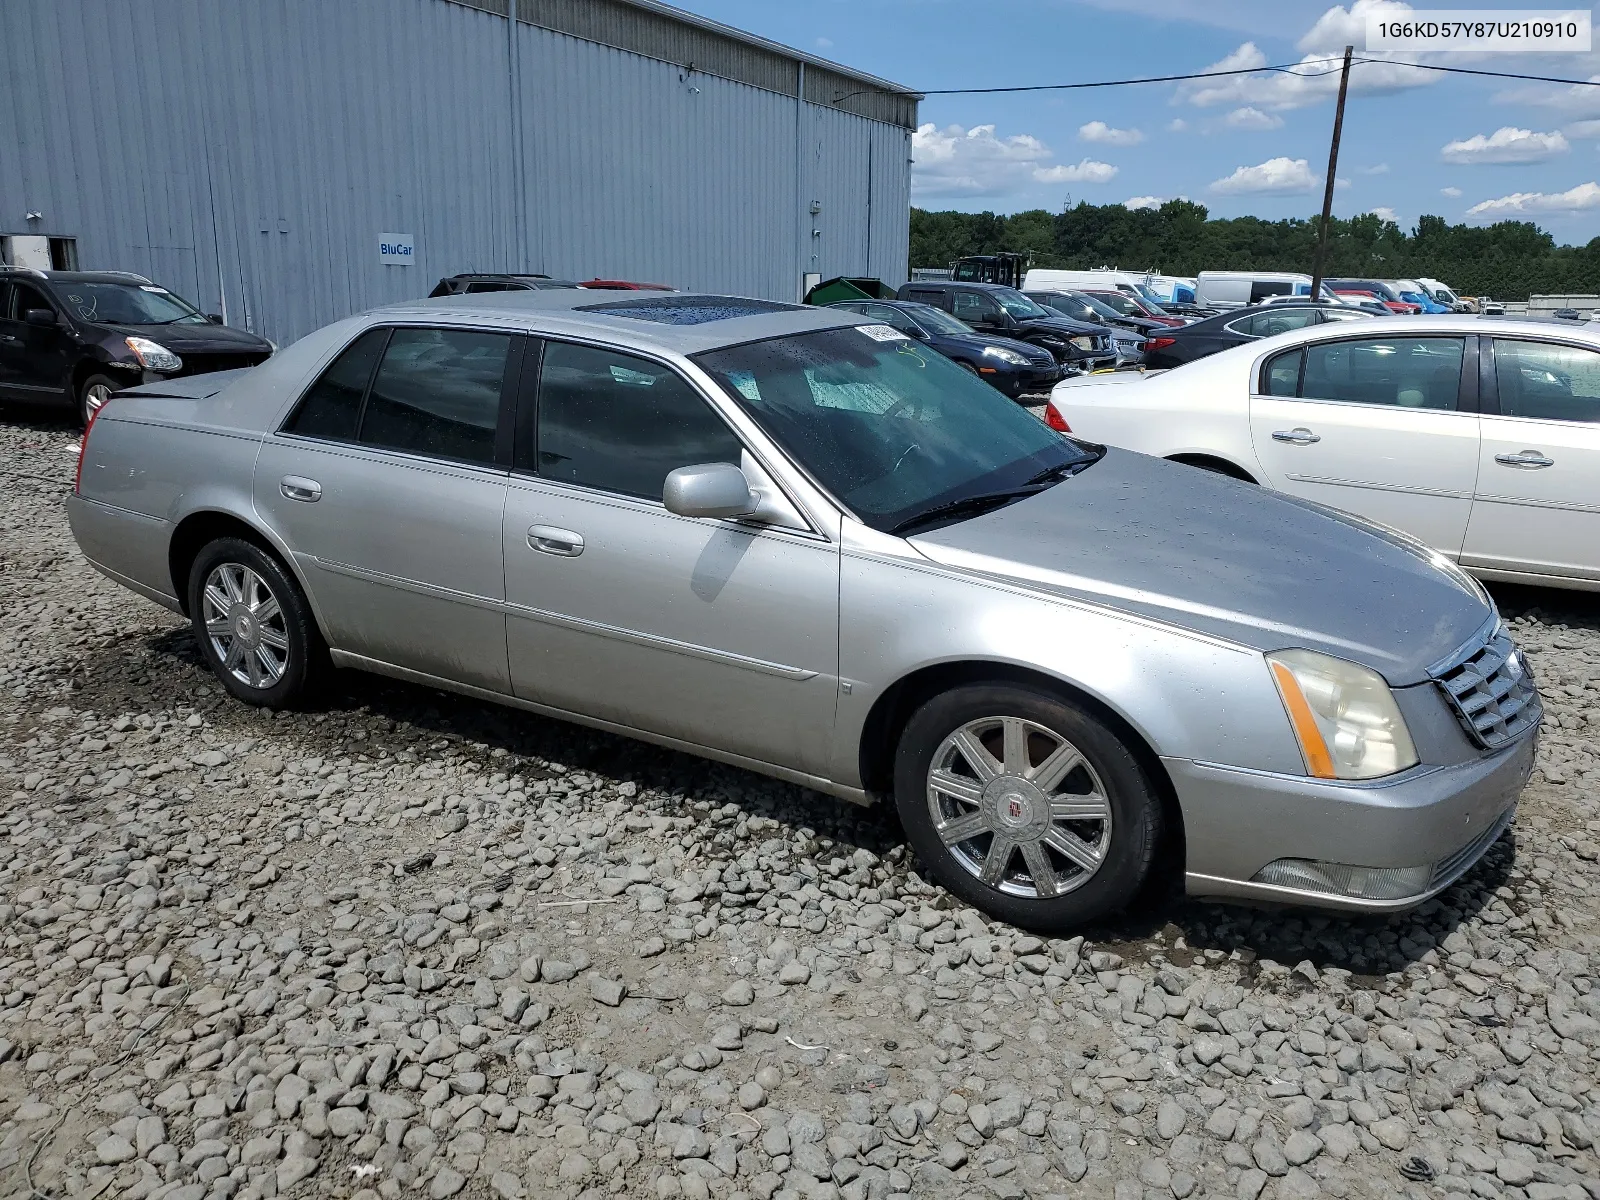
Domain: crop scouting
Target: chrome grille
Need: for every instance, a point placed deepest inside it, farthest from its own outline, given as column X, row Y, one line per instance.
column 1492, row 692
column 1458, row 863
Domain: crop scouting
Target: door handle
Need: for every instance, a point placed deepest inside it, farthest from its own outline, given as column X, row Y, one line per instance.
column 1532, row 459
column 296, row 487
column 1298, row 436
column 547, row 539
column 6, row 337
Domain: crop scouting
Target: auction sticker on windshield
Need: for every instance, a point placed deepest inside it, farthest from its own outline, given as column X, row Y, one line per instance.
column 1479, row 29
column 883, row 333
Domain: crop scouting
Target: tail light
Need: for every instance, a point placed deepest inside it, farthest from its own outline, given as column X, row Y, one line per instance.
column 1055, row 420
column 1160, row 343
column 83, row 447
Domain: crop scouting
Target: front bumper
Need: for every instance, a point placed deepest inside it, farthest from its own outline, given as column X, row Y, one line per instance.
column 1016, row 381
column 1444, row 818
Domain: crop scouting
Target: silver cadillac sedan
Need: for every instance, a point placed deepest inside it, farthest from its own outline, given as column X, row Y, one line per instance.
column 793, row 540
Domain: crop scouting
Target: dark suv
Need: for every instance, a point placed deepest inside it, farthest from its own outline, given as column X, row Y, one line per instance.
column 991, row 308
column 74, row 337
column 472, row 282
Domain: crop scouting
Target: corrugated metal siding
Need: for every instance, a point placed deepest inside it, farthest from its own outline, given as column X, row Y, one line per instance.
column 250, row 155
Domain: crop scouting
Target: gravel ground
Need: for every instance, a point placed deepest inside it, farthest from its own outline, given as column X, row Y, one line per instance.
column 411, row 944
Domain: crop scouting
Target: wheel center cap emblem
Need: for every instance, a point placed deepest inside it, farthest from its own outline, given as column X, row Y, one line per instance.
column 1015, row 809
column 242, row 626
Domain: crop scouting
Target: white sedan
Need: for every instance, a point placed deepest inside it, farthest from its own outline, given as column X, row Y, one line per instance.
column 1480, row 437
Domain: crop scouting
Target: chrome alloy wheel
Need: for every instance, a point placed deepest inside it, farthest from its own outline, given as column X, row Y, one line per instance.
column 95, row 395
column 245, row 624
column 1019, row 807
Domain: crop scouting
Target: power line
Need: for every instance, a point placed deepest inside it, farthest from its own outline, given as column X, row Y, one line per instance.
column 1298, row 69
column 1473, row 71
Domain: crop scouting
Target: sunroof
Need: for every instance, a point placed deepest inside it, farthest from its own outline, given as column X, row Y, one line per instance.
column 688, row 310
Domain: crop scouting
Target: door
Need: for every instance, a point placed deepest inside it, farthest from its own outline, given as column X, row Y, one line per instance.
column 1537, row 506
column 35, row 361
column 388, row 484
column 979, row 310
column 1374, row 426
column 719, row 633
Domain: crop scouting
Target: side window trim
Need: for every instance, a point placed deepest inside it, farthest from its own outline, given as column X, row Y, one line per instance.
column 1263, row 380
column 1488, row 380
column 1467, row 397
column 1241, row 332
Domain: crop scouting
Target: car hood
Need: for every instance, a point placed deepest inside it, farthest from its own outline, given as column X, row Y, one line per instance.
column 1225, row 558
column 977, row 341
column 1062, row 325
column 197, row 339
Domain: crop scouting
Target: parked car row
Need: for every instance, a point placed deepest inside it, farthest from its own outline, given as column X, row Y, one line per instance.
column 804, row 540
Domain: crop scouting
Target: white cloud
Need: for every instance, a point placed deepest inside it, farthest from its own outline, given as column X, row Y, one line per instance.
column 1138, row 202
column 1313, row 79
column 1375, row 169
column 1583, row 198
column 1250, row 117
column 1574, row 100
column 1085, row 170
column 955, row 161
column 1177, row 125
column 1384, row 213
column 1340, row 27
column 1584, row 129
column 1099, row 131
column 1506, row 145
column 1452, row 192
column 824, row 43
column 1276, row 176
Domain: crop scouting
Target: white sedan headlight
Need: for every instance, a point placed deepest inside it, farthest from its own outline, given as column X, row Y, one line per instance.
column 1343, row 715
column 153, row 356
column 1005, row 356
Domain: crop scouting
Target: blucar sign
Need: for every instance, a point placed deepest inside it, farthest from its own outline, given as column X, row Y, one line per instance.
column 396, row 248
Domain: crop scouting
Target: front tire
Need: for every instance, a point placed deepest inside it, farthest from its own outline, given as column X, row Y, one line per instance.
column 1026, row 806
column 253, row 624
column 96, row 390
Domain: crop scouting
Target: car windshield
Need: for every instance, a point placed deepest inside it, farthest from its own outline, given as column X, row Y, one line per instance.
column 1124, row 305
column 1098, row 306
column 936, row 320
column 888, row 426
column 127, row 304
column 1018, row 305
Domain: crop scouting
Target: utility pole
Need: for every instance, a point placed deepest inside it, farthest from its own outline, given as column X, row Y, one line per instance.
column 1333, row 167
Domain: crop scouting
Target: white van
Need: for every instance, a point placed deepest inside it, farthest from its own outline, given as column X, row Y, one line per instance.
column 1441, row 293
column 1237, row 289
column 1174, row 289
column 1101, row 279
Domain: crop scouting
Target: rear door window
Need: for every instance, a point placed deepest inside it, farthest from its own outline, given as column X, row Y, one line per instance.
column 1547, row 381
column 438, row 393
column 1281, row 374
column 1405, row 372
column 332, row 407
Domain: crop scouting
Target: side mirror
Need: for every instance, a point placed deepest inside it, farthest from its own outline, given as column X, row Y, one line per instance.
column 708, row 490
column 214, row 318
column 40, row 318
column 918, row 332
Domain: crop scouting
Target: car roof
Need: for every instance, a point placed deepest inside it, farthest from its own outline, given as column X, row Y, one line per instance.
column 646, row 320
column 123, row 277
column 969, row 285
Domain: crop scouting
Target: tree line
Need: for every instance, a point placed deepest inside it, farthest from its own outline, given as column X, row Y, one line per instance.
column 1510, row 260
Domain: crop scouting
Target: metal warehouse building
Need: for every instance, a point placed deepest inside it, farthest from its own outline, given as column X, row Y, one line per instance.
column 289, row 162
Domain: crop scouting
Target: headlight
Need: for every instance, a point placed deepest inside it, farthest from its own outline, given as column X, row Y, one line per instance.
column 1343, row 715
column 1084, row 341
column 1005, row 356
column 153, row 356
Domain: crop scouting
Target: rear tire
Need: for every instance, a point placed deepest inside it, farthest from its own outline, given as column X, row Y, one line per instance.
column 1026, row 806
column 253, row 625
column 94, row 392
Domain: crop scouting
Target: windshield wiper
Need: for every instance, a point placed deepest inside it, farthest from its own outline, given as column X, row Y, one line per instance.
column 967, row 506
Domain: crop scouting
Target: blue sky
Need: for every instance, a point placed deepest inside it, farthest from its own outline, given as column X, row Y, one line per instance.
column 1415, row 142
